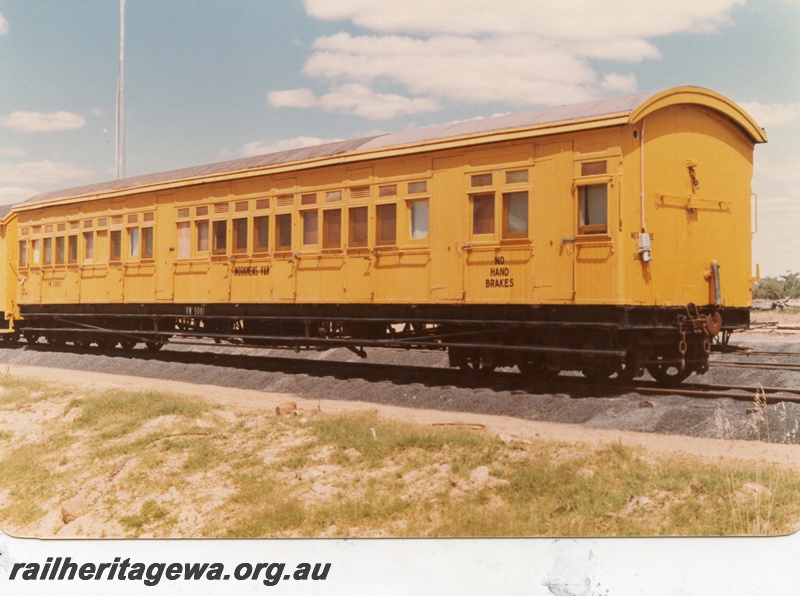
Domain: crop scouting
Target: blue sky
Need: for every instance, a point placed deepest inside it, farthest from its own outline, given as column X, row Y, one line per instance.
column 218, row 79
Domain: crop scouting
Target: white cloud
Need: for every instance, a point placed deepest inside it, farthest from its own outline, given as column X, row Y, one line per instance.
column 3, row 25
column 772, row 114
column 42, row 173
column 292, row 98
column 536, row 52
column 42, row 122
column 355, row 99
column 13, row 152
column 512, row 69
column 15, row 194
column 574, row 20
column 619, row 83
column 264, row 147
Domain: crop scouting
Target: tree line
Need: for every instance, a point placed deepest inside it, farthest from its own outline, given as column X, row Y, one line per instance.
column 778, row 288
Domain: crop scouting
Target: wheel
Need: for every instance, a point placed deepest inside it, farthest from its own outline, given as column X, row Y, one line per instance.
column 668, row 374
column 128, row 344
column 10, row 338
column 538, row 371
column 475, row 369
column 106, row 342
column 155, row 345
column 56, row 340
column 600, row 374
column 31, row 337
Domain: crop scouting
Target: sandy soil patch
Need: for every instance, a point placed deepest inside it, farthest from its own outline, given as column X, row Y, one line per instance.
column 246, row 401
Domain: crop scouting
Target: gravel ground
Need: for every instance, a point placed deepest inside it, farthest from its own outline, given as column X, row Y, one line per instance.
column 341, row 375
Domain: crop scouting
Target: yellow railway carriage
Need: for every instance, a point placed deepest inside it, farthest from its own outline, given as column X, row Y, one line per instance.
column 607, row 237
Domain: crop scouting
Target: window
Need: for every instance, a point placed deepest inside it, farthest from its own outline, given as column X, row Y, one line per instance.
column 202, row 236
column 417, row 187
column 310, row 227
column 133, row 242
column 184, row 240
column 60, row 252
column 284, row 235
column 240, row 235
column 593, row 208
column 116, row 245
column 418, row 218
column 594, row 168
column 483, row 214
column 478, row 180
column 390, row 190
column 88, row 246
column 386, row 225
column 332, row 228
column 517, row 177
column 261, row 227
column 220, row 237
column 357, row 227
column 147, row 243
column 23, row 253
column 515, row 214
column 36, row 249
column 72, row 249
column 48, row 251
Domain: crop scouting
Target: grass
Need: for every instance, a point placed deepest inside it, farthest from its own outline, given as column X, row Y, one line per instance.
column 157, row 459
column 116, row 413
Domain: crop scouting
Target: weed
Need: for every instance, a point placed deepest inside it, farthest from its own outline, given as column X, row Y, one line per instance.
column 117, row 413
column 150, row 514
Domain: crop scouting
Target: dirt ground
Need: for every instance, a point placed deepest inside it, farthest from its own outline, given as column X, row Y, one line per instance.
column 264, row 403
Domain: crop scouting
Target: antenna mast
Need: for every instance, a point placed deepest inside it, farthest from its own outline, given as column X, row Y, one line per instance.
column 121, row 95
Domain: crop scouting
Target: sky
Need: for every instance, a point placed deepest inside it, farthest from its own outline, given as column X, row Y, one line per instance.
column 211, row 80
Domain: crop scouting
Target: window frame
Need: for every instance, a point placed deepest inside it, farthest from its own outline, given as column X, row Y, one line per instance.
column 309, row 218
column 258, row 247
column 411, row 205
column 238, row 237
column 357, row 226
column 147, row 243
column 73, row 251
column 380, row 240
column 327, row 242
column 588, row 229
column 280, row 226
column 505, row 217
column 490, row 200
column 23, row 256
column 219, row 249
column 115, row 246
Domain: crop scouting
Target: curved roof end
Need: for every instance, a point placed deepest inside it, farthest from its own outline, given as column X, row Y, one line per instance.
column 706, row 98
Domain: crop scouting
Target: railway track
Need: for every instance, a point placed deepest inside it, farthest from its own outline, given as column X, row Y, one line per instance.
column 186, row 352
column 727, row 403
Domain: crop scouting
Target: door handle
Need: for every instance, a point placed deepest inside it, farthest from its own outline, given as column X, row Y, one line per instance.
column 565, row 240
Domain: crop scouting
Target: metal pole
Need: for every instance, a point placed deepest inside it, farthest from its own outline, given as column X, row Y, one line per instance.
column 121, row 95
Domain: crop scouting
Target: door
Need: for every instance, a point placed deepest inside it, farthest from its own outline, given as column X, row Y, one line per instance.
column 447, row 210
column 554, row 217
column 166, row 238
